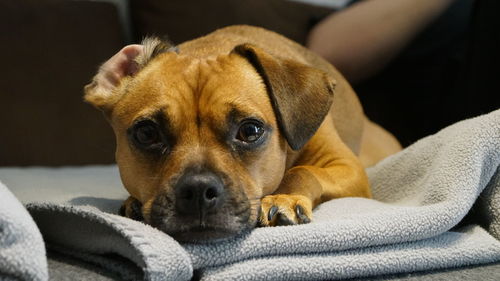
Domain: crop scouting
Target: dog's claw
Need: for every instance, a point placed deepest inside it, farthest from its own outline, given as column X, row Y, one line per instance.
column 272, row 213
column 302, row 218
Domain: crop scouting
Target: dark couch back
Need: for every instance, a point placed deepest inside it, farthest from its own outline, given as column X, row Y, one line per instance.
column 182, row 20
column 50, row 50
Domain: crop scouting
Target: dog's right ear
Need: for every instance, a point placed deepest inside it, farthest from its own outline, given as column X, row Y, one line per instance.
column 102, row 91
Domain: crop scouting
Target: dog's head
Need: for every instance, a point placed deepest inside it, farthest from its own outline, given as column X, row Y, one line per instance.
column 201, row 141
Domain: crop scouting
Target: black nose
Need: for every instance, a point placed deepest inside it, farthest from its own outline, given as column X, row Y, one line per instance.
column 198, row 194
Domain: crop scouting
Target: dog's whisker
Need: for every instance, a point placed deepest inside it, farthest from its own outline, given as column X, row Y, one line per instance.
column 164, row 151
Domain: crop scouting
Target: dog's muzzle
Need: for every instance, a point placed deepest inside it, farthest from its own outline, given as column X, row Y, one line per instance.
column 202, row 206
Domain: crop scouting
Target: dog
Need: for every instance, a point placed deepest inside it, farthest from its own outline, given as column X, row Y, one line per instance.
column 241, row 127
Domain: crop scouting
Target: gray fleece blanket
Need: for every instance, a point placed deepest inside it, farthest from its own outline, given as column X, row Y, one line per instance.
column 22, row 251
column 436, row 205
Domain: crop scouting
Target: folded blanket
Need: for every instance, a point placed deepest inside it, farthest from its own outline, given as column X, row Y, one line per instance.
column 22, row 251
column 436, row 205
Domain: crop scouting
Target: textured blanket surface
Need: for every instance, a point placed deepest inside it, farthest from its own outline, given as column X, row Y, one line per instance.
column 436, row 205
column 22, row 251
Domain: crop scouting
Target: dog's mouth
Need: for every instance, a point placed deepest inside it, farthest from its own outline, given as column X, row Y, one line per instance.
column 214, row 228
column 230, row 219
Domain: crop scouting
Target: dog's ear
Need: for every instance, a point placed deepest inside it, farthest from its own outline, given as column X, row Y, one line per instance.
column 127, row 62
column 301, row 95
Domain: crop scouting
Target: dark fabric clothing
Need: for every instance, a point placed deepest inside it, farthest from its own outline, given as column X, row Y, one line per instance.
column 443, row 76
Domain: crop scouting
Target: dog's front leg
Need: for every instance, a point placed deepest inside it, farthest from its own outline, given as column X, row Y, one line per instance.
column 325, row 169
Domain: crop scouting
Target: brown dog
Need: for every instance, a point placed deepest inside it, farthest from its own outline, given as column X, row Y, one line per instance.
column 233, row 129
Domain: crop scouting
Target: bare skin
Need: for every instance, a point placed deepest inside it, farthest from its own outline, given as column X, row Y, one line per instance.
column 364, row 38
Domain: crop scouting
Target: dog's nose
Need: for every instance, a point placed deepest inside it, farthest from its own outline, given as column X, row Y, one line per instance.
column 198, row 194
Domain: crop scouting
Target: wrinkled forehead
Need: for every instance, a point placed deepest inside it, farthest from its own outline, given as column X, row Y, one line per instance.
column 189, row 88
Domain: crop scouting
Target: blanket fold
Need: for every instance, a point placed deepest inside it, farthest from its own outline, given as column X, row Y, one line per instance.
column 113, row 242
column 420, row 196
column 470, row 245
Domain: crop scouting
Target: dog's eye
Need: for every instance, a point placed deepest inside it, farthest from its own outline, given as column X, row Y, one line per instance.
column 250, row 131
column 146, row 134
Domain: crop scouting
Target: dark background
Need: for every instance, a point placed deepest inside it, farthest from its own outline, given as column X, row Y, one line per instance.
column 51, row 48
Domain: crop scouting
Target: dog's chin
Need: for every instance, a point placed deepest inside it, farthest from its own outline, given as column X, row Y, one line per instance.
column 203, row 234
column 229, row 220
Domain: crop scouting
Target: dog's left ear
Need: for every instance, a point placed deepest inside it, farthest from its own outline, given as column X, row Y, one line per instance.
column 301, row 95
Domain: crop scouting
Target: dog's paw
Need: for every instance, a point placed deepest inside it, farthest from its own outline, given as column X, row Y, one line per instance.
column 131, row 208
column 285, row 209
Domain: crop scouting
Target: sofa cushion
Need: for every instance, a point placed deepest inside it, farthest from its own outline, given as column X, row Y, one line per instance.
column 182, row 20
